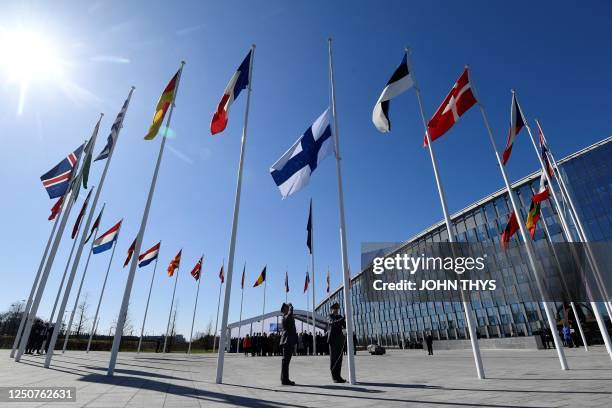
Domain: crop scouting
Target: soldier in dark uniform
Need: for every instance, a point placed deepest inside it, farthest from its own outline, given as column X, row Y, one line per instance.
column 288, row 340
column 336, row 338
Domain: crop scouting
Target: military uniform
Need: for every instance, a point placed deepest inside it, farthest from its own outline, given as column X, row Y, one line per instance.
column 288, row 340
column 336, row 339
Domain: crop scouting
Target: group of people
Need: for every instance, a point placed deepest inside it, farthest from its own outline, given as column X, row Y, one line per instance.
column 568, row 335
column 39, row 337
column 264, row 344
column 336, row 342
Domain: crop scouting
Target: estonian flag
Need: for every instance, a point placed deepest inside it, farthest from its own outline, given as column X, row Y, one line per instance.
column 292, row 171
column 400, row 81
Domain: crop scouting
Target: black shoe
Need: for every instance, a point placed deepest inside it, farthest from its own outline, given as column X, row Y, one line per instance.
column 339, row 380
column 288, row 383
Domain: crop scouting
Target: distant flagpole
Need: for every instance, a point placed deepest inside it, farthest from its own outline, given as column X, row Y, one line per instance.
column 178, row 270
column 232, row 247
column 78, row 295
column 530, row 254
column 144, row 319
column 110, row 261
column 218, row 307
column 77, row 259
column 195, row 307
column 312, row 268
column 70, row 198
column 263, row 309
column 241, row 299
column 348, row 309
column 143, row 225
column 469, row 317
column 26, row 310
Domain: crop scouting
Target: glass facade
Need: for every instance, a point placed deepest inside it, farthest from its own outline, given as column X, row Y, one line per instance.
column 400, row 317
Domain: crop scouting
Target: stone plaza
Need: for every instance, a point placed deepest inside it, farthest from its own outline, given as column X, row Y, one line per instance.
column 515, row 378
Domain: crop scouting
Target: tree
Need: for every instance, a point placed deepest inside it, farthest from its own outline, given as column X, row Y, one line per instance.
column 82, row 318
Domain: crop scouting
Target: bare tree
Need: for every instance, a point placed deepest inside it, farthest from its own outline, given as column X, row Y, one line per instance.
column 82, row 318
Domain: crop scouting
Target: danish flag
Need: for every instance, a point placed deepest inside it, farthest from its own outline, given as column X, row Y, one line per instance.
column 457, row 102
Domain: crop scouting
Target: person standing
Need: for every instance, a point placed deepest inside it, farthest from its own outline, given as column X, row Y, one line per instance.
column 429, row 341
column 336, row 340
column 288, row 341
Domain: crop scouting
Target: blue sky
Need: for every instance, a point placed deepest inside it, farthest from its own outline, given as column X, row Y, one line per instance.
column 554, row 54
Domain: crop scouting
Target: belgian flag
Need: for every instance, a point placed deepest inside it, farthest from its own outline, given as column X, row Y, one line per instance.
column 262, row 277
column 165, row 100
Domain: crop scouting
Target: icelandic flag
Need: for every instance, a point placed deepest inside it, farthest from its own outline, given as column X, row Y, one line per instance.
column 57, row 180
column 238, row 82
column 292, row 171
column 149, row 256
column 105, row 241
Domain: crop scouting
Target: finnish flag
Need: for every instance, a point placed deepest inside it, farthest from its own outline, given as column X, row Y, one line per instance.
column 292, row 171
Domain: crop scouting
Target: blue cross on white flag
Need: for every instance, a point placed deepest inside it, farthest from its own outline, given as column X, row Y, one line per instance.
column 292, row 171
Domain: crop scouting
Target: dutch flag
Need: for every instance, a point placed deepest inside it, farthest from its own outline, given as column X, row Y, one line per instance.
column 292, row 171
column 149, row 256
column 105, row 241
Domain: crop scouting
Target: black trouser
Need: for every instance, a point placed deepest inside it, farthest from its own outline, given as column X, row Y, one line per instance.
column 335, row 359
column 430, row 348
column 287, row 353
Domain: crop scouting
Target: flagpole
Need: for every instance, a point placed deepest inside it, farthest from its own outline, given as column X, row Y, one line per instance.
column 61, row 285
column 143, row 224
column 144, row 319
column 560, row 269
column 70, row 198
column 312, row 267
column 77, row 259
column 570, row 238
column 469, row 317
column 103, row 288
column 178, row 270
column 577, row 222
column 263, row 310
column 194, row 314
column 348, row 309
column 78, row 295
column 232, row 247
column 26, row 310
column 218, row 306
column 241, row 299
column 530, row 254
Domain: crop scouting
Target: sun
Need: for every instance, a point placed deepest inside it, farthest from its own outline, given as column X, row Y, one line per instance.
column 28, row 57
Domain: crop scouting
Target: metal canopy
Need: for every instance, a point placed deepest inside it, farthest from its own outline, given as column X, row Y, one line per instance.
column 301, row 315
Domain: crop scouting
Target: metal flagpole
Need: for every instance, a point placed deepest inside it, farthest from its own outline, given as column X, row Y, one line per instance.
column 312, row 267
column 560, row 269
column 78, row 295
column 26, row 310
column 69, row 198
column 576, row 219
column 143, row 224
column 530, row 254
column 144, row 319
column 77, row 259
column 178, row 270
column 232, row 247
column 263, row 310
column 570, row 238
column 103, row 288
column 218, row 306
column 348, row 310
column 449, row 227
column 61, row 285
column 241, row 299
column 195, row 307
column 581, row 234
